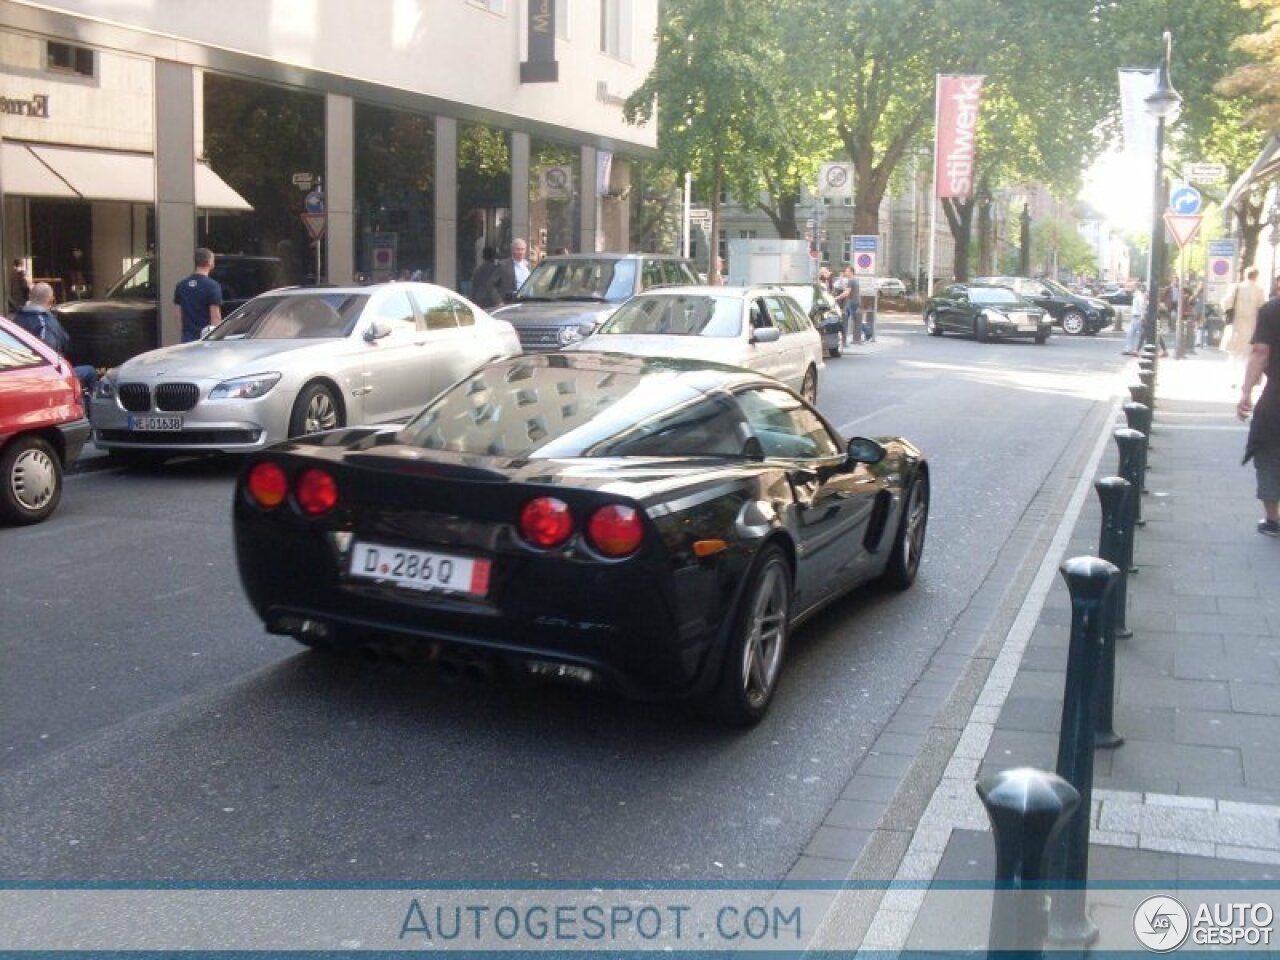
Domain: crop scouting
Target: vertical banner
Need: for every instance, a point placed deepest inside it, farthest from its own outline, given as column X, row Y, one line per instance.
column 541, row 67
column 1139, row 125
column 957, row 135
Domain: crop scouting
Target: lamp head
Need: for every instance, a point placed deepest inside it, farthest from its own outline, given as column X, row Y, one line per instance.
column 1164, row 103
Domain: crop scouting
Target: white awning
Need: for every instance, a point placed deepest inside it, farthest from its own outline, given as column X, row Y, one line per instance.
column 71, row 172
column 1266, row 167
column 24, row 174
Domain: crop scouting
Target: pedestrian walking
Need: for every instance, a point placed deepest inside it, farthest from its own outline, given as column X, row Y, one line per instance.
column 19, row 288
column 1263, row 445
column 1241, row 306
column 1137, row 319
column 850, row 300
column 37, row 318
column 198, row 298
column 486, row 292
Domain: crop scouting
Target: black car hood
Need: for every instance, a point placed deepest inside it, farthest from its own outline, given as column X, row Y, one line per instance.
column 111, row 309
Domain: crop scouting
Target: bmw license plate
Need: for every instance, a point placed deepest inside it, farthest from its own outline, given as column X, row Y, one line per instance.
column 420, row 569
column 155, row 424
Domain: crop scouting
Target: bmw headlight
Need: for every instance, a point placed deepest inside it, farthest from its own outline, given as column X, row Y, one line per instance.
column 568, row 335
column 106, row 388
column 245, row 388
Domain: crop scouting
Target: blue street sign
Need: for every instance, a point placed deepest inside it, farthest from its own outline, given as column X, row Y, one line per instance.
column 1185, row 200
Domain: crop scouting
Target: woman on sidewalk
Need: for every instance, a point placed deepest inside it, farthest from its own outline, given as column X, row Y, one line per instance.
column 1263, row 446
column 1241, row 306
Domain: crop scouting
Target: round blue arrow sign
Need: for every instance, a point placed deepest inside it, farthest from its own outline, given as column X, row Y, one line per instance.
column 1185, row 201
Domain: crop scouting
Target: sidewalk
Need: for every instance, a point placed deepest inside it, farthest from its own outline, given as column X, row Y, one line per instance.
column 1192, row 797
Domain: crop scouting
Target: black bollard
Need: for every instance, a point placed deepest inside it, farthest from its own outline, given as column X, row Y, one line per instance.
column 1113, row 492
column 1141, row 393
column 1090, row 581
column 1137, row 416
column 1130, row 442
column 1148, row 380
column 1027, row 809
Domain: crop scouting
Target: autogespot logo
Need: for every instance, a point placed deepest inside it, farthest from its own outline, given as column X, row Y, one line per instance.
column 1161, row 924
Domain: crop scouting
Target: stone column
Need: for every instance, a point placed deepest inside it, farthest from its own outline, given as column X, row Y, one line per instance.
column 175, row 189
column 339, row 188
column 446, row 202
column 589, row 208
column 520, row 187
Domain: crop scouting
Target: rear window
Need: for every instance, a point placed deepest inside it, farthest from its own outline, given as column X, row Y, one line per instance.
column 17, row 355
column 540, row 409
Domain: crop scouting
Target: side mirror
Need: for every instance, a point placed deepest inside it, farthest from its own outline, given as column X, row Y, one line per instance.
column 586, row 328
column 865, row 450
column 766, row 335
column 376, row 331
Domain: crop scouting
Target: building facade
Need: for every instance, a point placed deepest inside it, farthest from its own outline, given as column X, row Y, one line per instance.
column 351, row 140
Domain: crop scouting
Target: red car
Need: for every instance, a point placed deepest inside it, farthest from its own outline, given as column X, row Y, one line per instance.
column 42, row 425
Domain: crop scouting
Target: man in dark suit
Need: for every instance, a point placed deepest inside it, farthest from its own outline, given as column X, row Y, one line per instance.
column 514, row 270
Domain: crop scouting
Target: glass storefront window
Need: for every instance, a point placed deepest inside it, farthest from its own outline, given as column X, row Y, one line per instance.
column 395, row 198
column 555, row 198
column 484, row 196
column 257, row 136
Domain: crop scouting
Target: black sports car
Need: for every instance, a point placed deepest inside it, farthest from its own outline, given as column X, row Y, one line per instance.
column 985, row 312
column 657, row 526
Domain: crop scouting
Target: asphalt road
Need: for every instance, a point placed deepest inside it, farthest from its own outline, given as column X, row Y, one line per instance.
column 149, row 729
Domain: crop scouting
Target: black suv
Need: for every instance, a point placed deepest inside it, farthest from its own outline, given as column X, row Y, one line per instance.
column 565, row 292
column 106, row 333
column 1076, row 314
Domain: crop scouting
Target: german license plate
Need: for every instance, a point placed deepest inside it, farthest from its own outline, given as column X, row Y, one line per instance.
column 157, row 424
column 420, row 569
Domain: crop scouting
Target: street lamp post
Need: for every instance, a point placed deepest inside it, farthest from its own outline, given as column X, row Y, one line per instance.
column 1164, row 104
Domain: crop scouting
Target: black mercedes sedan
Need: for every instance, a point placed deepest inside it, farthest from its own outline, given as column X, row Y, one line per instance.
column 1077, row 315
column 650, row 525
column 985, row 312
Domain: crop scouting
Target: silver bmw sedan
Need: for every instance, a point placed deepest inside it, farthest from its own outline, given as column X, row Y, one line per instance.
column 297, row 361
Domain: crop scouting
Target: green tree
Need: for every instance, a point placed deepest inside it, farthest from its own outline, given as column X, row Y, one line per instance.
column 1056, row 246
column 712, row 88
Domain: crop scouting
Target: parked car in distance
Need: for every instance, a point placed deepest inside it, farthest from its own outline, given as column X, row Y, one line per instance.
column 106, row 333
column 759, row 328
column 653, row 526
column 42, row 425
column 297, row 361
column 986, row 312
column 565, row 292
column 1076, row 315
column 1118, row 296
column 890, row 287
column 824, row 313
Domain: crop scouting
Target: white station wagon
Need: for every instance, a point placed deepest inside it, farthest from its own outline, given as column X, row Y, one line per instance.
column 760, row 328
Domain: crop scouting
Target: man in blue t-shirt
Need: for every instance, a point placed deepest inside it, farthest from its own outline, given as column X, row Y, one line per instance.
column 199, row 298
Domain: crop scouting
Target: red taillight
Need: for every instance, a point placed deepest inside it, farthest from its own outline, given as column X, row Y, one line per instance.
column 316, row 492
column 546, row 522
column 268, row 485
column 615, row 531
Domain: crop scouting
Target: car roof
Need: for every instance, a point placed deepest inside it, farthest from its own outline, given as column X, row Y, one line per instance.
column 706, row 290
column 362, row 289
column 613, row 256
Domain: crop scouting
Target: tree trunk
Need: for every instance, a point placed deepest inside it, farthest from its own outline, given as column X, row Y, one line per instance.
column 783, row 216
column 1249, row 216
column 960, row 220
column 986, row 237
column 713, row 237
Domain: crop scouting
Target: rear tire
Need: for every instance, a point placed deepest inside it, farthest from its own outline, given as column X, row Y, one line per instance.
column 757, row 643
column 30, row 480
column 931, row 324
column 1041, row 339
column 316, row 409
column 980, row 330
column 908, row 544
column 837, row 350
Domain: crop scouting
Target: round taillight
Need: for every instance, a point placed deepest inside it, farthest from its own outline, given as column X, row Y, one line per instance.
column 316, row 492
column 546, row 522
column 615, row 531
column 268, row 485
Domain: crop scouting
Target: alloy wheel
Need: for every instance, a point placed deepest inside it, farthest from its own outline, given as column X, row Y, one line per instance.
column 321, row 413
column 767, row 634
column 809, row 388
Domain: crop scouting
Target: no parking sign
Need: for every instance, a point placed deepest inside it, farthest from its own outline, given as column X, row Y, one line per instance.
column 863, row 252
column 1221, row 268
